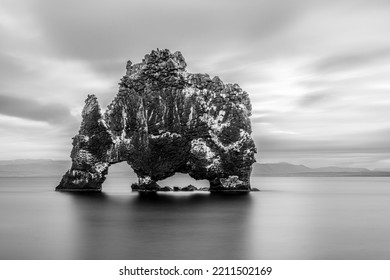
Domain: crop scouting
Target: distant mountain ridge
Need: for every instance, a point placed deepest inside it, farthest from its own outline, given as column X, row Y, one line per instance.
column 278, row 168
column 288, row 169
column 55, row 168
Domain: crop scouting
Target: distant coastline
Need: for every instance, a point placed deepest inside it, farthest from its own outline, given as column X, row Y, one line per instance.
column 55, row 168
column 284, row 169
column 328, row 174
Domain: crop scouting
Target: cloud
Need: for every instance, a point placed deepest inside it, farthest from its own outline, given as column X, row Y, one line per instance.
column 123, row 30
column 315, row 98
column 352, row 61
column 316, row 71
column 24, row 138
column 30, row 109
column 10, row 67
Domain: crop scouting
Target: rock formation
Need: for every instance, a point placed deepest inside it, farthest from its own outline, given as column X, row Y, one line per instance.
column 165, row 120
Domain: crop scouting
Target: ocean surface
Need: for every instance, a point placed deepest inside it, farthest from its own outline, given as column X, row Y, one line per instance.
column 290, row 218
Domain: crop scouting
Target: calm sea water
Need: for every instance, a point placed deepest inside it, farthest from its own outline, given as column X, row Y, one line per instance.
column 291, row 218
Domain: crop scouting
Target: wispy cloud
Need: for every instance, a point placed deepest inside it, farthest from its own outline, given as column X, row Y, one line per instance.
column 354, row 61
column 315, row 98
column 30, row 109
column 316, row 71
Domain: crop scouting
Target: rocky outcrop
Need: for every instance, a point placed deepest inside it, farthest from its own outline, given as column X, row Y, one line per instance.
column 165, row 120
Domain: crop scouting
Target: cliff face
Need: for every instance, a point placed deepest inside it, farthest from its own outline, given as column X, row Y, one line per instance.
column 166, row 120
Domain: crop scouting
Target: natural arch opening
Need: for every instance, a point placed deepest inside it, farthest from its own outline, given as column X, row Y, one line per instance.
column 119, row 178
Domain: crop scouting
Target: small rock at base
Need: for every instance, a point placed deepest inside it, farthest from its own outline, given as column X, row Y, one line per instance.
column 189, row 188
column 166, row 189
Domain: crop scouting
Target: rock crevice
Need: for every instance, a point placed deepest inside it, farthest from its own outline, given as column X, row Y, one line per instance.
column 165, row 120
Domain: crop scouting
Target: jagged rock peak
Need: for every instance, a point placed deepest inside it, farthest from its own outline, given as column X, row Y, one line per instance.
column 165, row 120
column 156, row 61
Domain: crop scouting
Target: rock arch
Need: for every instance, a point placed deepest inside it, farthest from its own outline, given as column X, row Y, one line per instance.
column 165, row 120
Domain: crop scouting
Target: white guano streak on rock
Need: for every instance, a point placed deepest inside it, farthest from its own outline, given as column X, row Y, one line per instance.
column 103, row 123
column 101, row 166
column 189, row 91
column 166, row 134
column 85, row 156
column 190, row 116
column 216, row 124
column 200, row 148
column 215, row 164
column 230, row 182
column 144, row 180
column 235, row 146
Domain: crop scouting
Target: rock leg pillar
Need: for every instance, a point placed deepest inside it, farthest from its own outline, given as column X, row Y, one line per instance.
column 231, row 183
column 90, row 152
column 80, row 180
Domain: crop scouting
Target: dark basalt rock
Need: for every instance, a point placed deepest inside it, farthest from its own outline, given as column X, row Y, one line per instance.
column 189, row 188
column 166, row 189
column 165, row 120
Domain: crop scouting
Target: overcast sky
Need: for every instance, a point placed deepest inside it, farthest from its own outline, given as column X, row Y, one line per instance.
column 317, row 72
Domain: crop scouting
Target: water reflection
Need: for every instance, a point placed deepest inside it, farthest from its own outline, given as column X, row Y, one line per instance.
column 291, row 218
column 161, row 226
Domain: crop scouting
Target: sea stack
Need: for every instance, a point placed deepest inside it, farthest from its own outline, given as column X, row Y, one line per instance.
column 165, row 120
